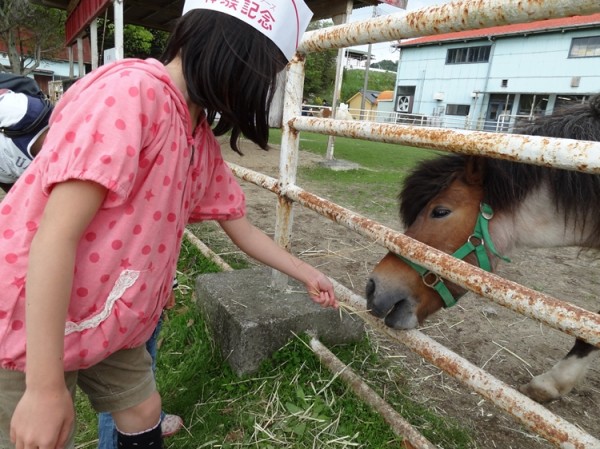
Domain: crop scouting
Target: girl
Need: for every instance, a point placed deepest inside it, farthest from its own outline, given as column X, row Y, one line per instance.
column 89, row 236
column 24, row 122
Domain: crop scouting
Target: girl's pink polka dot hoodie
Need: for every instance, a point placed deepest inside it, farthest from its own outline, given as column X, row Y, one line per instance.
column 125, row 126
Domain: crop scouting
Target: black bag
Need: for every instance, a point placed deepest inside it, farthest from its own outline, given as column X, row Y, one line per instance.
column 24, row 85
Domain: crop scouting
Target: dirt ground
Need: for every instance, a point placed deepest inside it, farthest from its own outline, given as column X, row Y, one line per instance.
column 511, row 347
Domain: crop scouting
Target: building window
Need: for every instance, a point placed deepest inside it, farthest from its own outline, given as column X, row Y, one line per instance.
column 458, row 109
column 565, row 101
column 585, row 47
column 533, row 104
column 468, row 55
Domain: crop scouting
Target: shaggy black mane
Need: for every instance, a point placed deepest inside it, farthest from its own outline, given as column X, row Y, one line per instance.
column 506, row 184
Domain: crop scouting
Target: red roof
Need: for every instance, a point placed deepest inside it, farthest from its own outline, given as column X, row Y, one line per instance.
column 505, row 30
column 81, row 16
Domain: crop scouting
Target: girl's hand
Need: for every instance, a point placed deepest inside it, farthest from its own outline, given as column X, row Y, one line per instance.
column 258, row 245
column 321, row 291
column 43, row 419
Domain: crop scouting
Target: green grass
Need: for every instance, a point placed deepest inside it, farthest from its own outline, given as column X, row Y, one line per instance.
column 370, row 155
column 372, row 188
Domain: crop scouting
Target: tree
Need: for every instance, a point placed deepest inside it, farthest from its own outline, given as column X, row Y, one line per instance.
column 320, row 69
column 139, row 42
column 354, row 81
column 29, row 33
column 386, row 64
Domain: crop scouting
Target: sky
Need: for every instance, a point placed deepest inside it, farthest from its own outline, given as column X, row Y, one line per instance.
column 383, row 51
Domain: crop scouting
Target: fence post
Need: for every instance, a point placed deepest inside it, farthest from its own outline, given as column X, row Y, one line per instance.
column 288, row 160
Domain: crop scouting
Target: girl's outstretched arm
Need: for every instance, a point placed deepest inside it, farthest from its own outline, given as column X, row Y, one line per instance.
column 261, row 247
column 44, row 416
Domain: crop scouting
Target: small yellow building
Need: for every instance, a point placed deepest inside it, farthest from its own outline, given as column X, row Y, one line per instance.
column 370, row 108
column 375, row 103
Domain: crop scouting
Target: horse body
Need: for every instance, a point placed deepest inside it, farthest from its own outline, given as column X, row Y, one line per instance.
column 532, row 207
column 534, row 224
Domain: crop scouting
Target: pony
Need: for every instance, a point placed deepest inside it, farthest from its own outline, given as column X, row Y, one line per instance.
column 496, row 206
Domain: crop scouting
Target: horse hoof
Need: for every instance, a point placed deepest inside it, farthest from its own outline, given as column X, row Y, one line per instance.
column 539, row 392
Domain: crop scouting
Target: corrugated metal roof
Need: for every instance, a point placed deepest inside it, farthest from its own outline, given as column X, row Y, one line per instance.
column 550, row 25
column 371, row 96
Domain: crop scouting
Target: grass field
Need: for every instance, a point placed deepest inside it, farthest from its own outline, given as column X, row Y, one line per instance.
column 370, row 188
column 292, row 401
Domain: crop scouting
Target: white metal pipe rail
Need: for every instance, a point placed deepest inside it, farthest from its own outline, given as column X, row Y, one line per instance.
column 559, row 153
column 460, row 15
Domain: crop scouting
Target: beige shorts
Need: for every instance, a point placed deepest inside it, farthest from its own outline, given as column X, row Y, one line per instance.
column 123, row 380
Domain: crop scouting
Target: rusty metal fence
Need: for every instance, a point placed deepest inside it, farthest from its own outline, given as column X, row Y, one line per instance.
column 561, row 153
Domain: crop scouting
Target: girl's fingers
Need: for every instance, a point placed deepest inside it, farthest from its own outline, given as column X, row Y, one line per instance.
column 327, row 300
column 322, row 296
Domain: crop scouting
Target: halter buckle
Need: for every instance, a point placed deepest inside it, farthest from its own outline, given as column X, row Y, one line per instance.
column 486, row 211
column 431, row 284
column 476, row 240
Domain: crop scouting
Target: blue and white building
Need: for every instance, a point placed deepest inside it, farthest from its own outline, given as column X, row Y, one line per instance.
column 490, row 79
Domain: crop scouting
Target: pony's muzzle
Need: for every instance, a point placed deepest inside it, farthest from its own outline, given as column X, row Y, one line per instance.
column 375, row 308
column 402, row 316
column 397, row 312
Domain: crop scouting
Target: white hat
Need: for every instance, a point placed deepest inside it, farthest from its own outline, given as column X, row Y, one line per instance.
column 282, row 21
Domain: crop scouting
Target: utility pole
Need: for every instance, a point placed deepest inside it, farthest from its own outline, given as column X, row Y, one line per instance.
column 339, row 74
column 366, row 84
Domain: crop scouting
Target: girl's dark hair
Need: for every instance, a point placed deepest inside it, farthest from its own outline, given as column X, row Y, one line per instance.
column 230, row 69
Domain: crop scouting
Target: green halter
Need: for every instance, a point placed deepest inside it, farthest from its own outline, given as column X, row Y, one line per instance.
column 475, row 243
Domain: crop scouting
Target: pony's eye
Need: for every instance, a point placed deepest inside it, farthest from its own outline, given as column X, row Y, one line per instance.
column 440, row 212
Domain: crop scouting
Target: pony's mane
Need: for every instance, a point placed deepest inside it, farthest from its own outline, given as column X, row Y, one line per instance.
column 427, row 180
column 505, row 185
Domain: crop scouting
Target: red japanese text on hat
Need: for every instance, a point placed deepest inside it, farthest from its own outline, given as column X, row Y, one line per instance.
column 282, row 21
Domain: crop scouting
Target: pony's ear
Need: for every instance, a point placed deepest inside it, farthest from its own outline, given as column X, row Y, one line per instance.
column 474, row 170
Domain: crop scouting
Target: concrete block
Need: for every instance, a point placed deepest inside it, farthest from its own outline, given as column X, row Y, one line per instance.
column 250, row 320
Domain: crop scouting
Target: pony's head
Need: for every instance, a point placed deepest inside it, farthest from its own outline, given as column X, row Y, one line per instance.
column 444, row 203
column 440, row 203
